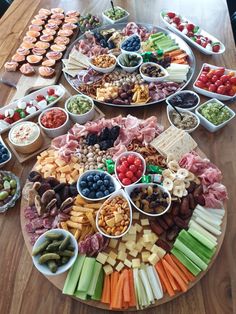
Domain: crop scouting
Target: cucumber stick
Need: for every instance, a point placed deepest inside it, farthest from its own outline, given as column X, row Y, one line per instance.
column 86, row 274
column 193, row 268
column 93, row 282
column 207, row 226
column 196, row 246
column 73, row 275
column 190, row 254
column 192, row 224
column 99, row 286
column 81, row 295
column 201, row 238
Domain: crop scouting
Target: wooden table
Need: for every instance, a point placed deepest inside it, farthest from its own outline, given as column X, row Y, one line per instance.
column 23, row 288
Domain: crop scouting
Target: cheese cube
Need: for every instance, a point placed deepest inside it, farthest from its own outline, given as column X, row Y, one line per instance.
column 44, row 154
column 148, row 246
column 144, row 222
column 147, row 237
column 112, row 255
column 60, row 162
column 108, row 269
column 127, row 263
column 122, row 247
column 65, row 169
column 132, row 230
column 113, row 243
column 130, row 245
column 153, row 259
column 111, row 261
column 136, row 216
column 129, row 237
column 136, row 263
column 120, row 266
column 146, row 231
column 154, row 249
column 141, row 241
column 161, row 252
column 133, row 253
column 121, row 256
column 145, row 256
column 101, row 258
column 138, row 227
column 139, row 247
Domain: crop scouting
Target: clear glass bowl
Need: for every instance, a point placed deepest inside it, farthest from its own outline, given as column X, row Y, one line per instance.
column 12, row 202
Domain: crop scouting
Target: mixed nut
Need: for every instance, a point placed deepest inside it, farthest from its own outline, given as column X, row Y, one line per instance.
column 103, row 61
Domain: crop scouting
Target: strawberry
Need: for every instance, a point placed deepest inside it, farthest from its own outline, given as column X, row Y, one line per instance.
column 171, row 15
column 203, row 44
column 8, row 120
column 190, row 27
column 50, row 91
column 176, row 20
column 198, row 41
column 190, row 34
column 16, row 116
column 181, row 27
column 40, row 97
column 216, row 47
column 2, row 116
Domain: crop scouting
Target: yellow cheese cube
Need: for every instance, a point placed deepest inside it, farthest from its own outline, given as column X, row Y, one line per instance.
column 127, row 263
column 74, row 173
column 122, row 247
column 133, row 253
column 146, row 231
column 60, row 162
column 121, row 256
column 138, row 227
column 139, row 246
column 144, row 222
column 145, row 256
column 74, row 159
column 113, row 243
column 44, row 153
column 112, row 254
column 65, row 169
column 153, row 259
column 132, row 230
column 160, row 252
column 130, row 245
column 49, row 159
column 101, row 258
column 154, row 249
column 129, row 237
column 108, row 269
column 148, row 246
column 120, row 266
column 136, row 216
column 147, row 237
column 111, row 261
column 136, row 262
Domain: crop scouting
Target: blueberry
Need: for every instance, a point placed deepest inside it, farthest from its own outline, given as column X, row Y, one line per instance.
column 102, row 188
column 111, row 189
column 107, row 177
column 92, row 194
column 99, row 194
column 102, row 175
column 99, row 182
column 85, row 192
column 96, row 177
column 5, row 157
column 4, row 150
column 90, row 178
column 95, row 186
column 106, row 193
column 83, row 184
column 106, row 182
column 90, row 184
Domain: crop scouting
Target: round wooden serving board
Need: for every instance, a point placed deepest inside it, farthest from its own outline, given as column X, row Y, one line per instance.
column 58, row 281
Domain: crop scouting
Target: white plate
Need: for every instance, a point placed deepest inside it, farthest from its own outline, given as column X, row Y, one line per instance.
column 211, row 94
column 42, row 91
column 190, row 41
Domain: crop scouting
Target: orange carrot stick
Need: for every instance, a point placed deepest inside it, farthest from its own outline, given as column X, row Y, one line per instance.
column 180, row 281
column 170, row 277
column 189, row 275
column 106, row 292
column 114, row 281
column 163, row 276
column 126, row 290
column 176, row 268
column 117, row 302
column 132, row 291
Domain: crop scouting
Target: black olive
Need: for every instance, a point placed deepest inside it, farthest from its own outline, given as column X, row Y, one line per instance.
column 104, row 145
column 111, row 44
column 52, row 181
column 91, row 139
column 73, row 190
column 104, row 135
column 103, row 43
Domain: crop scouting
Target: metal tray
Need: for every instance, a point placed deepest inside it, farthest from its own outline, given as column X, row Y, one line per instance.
column 120, row 26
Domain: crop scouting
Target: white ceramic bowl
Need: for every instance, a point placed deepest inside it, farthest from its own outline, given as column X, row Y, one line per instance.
column 130, row 188
column 170, row 109
column 123, row 19
column 117, row 193
column 103, row 70
column 127, row 38
column 54, row 132
column 43, row 268
column 9, row 153
column 184, row 92
column 153, row 79
column 127, row 154
column 117, row 185
column 129, row 69
column 191, row 42
column 211, row 94
column 80, row 118
column 206, row 123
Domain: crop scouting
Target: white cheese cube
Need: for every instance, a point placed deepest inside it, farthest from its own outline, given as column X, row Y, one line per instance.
column 132, row 230
column 136, row 216
column 138, row 227
column 161, row 252
column 121, row 256
column 130, row 245
column 112, row 255
column 113, row 243
column 120, row 266
column 153, row 259
column 111, row 261
column 136, row 263
column 129, row 237
column 108, row 269
column 122, row 247
column 145, row 256
column 154, row 249
column 147, row 238
column 145, row 222
column 101, row 258
column 127, row 263
column 148, row 246
column 146, row 231
column 133, row 253
column 139, row 247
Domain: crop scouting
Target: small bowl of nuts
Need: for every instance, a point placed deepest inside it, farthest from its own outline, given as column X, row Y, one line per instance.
column 114, row 217
column 104, row 63
column 149, row 198
column 153, row 72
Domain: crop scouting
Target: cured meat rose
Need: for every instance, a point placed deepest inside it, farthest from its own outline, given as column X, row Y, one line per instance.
column 92, row 244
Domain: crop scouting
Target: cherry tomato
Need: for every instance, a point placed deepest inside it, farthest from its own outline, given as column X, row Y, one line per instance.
column 121, row 176
column 208, row 84
column 200, row 84
column 123, row 169
column 126, row 181
column 129, row 174
column 212, row 88
column 133, row 168
column 118, row 169
column 203, row 78
column 233, row 80
column 218, row 83
column 210, row 74
column 137, row 162
column 231, row 92
column 219, row 72
column 214, row 78
column 139, row 173
column 123, row 158
column 125, row 163
column 131, row 159
column 224, row 78
column 134, row 179
column 228, row 86
column 206, row 68
column 221, row 89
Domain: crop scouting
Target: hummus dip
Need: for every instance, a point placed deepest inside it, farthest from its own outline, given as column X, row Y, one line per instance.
column 24, row 133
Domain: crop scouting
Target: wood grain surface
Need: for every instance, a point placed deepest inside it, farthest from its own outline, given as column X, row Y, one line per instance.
column 23, row 288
